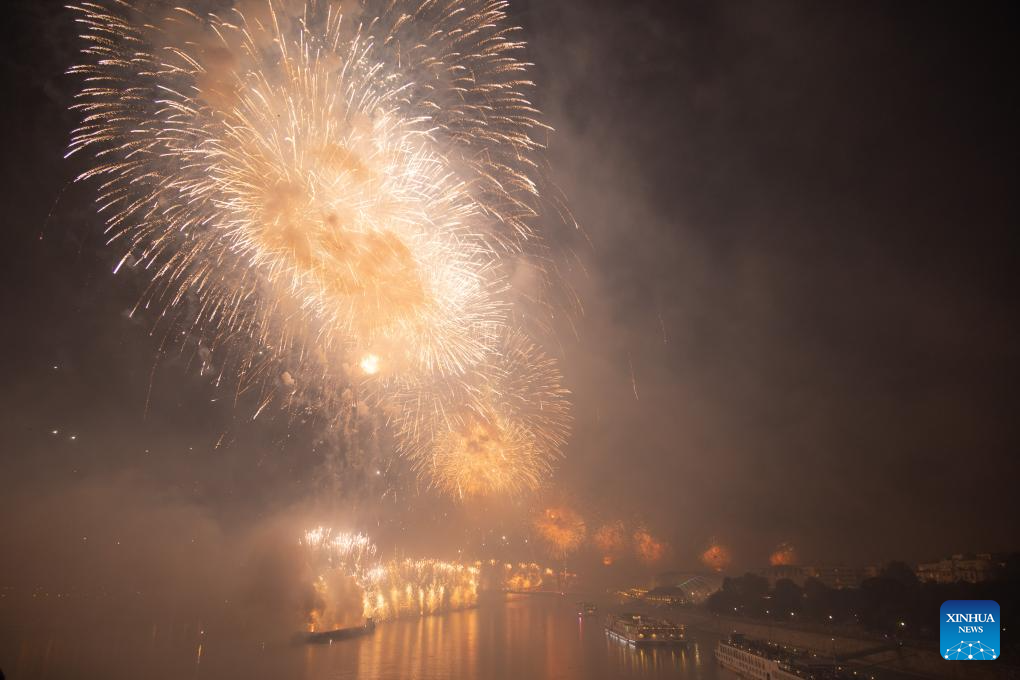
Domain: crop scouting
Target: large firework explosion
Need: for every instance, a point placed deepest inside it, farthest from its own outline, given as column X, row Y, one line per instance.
column 329, row 193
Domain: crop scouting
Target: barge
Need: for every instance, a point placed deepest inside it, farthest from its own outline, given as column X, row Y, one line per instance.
column 758, row 660
column 331, row 636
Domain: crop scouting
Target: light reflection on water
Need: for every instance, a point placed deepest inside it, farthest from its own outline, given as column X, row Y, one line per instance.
column 523, row 637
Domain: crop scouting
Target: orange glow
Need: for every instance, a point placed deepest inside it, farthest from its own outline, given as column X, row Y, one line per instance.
column 562, row 528
column 784, row 555
column 716, row 558
column 648, row 549
column 610, row 540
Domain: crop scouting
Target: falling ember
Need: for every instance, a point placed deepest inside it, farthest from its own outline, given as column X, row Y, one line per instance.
column 649, row 550
column 784, row 555
column 716, row 557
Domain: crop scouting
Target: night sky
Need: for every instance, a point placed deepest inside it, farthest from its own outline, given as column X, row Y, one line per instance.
column 800, row 311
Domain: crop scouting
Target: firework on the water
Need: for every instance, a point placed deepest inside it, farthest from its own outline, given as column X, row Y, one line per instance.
column 338, row 561
column 351, row 584
column 328, row 195
column 496, row 431
column 417, row 587
column 524, row 576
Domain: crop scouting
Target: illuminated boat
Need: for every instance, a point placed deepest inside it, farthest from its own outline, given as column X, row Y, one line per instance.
column 586, row 609
column 756, row 660
column 645, row 631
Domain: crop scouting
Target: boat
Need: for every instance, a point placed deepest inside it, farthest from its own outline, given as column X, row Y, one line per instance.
column 758, row 660
column 644, row 631
column 586, row 609
column 331, row 636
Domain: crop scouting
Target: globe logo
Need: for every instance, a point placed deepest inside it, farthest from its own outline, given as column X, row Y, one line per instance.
column 969, row 630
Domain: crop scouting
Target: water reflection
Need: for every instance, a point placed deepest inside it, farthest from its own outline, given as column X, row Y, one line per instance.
column 519, row 637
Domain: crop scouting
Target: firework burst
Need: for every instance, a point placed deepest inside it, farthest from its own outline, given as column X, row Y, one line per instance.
column 418, row 587
column 498, row 430
column 327, row 193
column 321, row 184
column 610, row 540
column 785, row 554
column 347, row 552
column 648, row 548
column 562, row 529
column 716, row 557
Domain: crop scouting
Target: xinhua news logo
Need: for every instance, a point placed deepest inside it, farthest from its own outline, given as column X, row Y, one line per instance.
column 969, row 630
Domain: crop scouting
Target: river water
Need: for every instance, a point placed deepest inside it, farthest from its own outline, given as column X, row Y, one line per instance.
column 519, row 637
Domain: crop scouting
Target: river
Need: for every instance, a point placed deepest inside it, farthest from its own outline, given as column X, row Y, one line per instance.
column 532, row 637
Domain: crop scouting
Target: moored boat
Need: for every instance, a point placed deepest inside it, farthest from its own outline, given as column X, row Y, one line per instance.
column 758, row 660
column 644, row 631
column 330, row 636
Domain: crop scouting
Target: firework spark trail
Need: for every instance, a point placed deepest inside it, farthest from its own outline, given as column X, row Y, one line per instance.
column 418, row 587
column 497, row 431
column 386, row 590
column 296, row 189
column 344, row 551
column 562, row 528
column 320, row 191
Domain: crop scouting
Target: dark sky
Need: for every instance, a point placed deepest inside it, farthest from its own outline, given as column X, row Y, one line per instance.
column 800, row 311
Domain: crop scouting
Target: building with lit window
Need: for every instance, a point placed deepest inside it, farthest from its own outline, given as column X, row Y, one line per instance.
column 960, row 567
